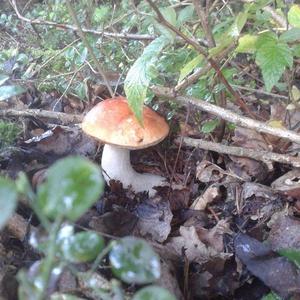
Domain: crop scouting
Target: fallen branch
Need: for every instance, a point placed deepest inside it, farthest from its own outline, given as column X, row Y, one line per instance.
column 260, row 155
column 59, row 117
column 228, row 115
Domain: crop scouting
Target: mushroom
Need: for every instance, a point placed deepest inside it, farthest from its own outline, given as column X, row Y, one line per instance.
column 112, row 122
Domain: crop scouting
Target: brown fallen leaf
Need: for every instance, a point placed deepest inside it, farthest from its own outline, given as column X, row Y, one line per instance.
column 284, row 232
column 279, row 274
column 154, row 219
column 288, row 184
column 195, row 250
column 210, row 194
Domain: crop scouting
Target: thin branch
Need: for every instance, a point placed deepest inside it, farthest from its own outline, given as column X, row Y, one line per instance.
column 213, row 63
column 127, row 36
column 228, row 115
column 59, row 117
column 88, row 46
column 259, row 155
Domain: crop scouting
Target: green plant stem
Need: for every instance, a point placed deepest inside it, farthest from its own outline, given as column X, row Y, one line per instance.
column 98, row 259
column 49, row 257
column 88, row 46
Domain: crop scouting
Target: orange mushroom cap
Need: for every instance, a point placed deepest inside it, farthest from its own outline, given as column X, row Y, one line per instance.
column 112, row 122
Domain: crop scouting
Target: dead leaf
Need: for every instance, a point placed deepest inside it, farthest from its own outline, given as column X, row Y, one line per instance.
column 214, row 237
column 284, row 232
column 154, row 219
column 279, row 274
column 208, row 172
column 288, row 184
column 209, row 195
column 195, row 250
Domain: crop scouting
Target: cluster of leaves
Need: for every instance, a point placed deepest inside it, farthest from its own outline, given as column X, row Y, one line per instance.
column 250, row 32
column 72, row 186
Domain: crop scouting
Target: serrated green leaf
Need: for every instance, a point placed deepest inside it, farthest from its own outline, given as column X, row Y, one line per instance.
column 291, row 35
column 7, row 91
column 134, row 261
column 273, row 57
column 3, row 78
column 141, row 73
column 247, row 44
column 294, row 15
column 190, row 66
column 185, row 15
column 73, row 185
column 153, row 292
column 8, row 200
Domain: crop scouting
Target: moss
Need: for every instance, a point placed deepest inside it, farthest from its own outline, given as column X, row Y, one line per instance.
column 8, row 133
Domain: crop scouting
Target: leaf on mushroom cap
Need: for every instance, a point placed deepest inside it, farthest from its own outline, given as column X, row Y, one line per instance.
column 113, row 122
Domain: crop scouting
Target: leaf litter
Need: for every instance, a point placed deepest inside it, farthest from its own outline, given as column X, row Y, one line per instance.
column 218, row 232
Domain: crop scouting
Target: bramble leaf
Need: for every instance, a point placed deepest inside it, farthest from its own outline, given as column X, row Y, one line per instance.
column 140, row 74
column 272, row 56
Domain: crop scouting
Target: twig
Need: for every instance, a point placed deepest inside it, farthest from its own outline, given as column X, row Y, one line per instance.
column 260, row 155
column 228, row 115
column 260, row 92
column 127, row 36
column 212, row 62
column 88, row 46
column 59, row 117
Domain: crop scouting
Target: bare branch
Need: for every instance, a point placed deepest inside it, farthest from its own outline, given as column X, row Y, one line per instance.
column 228, row 115
column 260, row 155
column 59, row 117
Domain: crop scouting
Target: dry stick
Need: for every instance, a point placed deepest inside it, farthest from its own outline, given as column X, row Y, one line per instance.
column 261, row 155
column 59, row 117
column 213, row 63
column 228, row 115
column 88, row 46
column 127, row 36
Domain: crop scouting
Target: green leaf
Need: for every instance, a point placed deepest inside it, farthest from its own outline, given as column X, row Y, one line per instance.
column 296, row 50
column 7, row 91
column 271, row 296
column 247, row 44
column 273, row 57
column 139, row 76
column 8, row 200
column 291, row 35
column 153, row 293
column 73, row 185
column 185, row 15
column 169, row 14
column 134, row 261
column 294, row 16
column 210, row 126
column 190, row 66
column 82, row 247
column 3, row 78
column 100, row 14
column 292, row 254
column 238, row 24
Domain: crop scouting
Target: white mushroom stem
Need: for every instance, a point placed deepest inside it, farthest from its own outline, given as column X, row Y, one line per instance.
column 116, row 165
